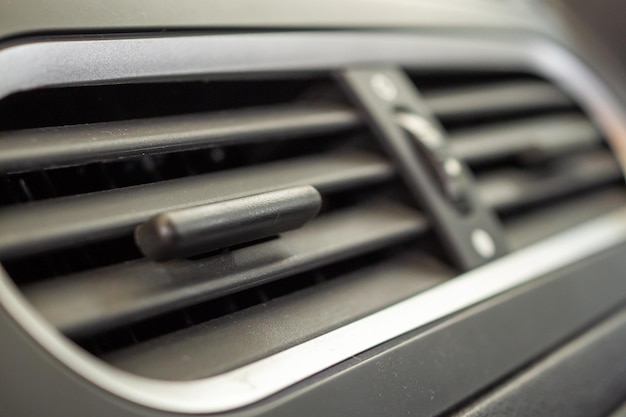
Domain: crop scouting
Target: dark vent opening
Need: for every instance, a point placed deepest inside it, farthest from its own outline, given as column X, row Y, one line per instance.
column 449, row 78
column 61, row 106
column 100, row 176
column 57, row 263
column 461, row 122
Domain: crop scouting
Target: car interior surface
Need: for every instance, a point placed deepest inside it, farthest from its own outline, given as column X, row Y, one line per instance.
column 277, row 208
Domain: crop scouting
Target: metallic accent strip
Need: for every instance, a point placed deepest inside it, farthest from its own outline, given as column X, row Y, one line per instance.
column 84, row 62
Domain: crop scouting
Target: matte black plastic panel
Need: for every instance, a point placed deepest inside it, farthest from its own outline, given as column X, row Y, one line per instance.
column 500, row 98
column 90, row 301
column 50, row 224
column 538, row 137
column 32, row 149
column 585, row 378
column 505, row 189
column 234, row 340
column 385, row 94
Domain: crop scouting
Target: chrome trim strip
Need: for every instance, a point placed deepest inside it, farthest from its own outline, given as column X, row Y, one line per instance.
column 83, row 62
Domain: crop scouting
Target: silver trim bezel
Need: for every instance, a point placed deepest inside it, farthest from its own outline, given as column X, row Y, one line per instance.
column 98, row 61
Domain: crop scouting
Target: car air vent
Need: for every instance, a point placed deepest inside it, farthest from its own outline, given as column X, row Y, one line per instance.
column 539, row 161
column 81, row 167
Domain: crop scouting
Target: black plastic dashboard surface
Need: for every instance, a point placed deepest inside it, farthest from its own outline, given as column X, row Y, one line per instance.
column 427, row 372
column 585, row 378
column 121, row 16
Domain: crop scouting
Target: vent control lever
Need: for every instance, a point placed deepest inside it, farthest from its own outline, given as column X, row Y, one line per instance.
column 201, row 229
column 441, row 184
column 447, row 171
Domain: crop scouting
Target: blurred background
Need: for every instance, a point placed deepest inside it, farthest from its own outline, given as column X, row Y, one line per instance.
column 605, row 18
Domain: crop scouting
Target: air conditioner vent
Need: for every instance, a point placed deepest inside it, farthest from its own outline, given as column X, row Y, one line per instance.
column 539, row 160
column 107, row 136
column 81, row 167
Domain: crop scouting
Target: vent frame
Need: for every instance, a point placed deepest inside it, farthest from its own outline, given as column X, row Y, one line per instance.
column 321, row 51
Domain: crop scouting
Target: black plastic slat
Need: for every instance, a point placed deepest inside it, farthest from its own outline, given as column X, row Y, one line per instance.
column 534, row 225
column 505, row 189
column 31, row 228
column 541, row 136
column 89, row 302
column 79, row 144
column 500, row 98
column 234, row 340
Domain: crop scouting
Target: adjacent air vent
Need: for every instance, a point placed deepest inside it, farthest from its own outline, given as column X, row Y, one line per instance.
column 538, row 159
column 83, row 166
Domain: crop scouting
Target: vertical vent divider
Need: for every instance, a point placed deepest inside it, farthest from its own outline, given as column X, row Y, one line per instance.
column 441, row 183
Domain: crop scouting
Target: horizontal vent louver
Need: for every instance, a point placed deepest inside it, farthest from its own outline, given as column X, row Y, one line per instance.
column 77, row 180
column 539, row 161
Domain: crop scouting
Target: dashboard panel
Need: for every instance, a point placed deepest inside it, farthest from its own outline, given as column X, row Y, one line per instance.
column 399, row 297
